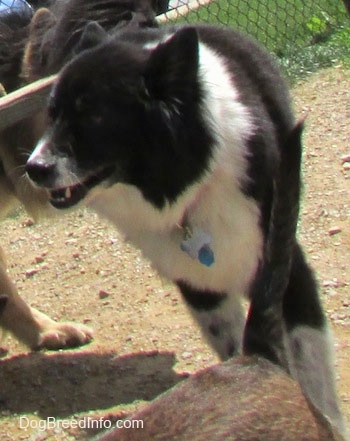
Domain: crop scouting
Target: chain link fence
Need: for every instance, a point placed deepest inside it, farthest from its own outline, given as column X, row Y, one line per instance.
column 277, row 24
column 282, row 26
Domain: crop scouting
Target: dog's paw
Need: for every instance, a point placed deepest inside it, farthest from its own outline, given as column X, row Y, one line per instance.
column 64, row 336
column 56, row 335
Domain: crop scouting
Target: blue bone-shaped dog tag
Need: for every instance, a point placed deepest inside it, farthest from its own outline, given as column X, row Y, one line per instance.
column 197, row 245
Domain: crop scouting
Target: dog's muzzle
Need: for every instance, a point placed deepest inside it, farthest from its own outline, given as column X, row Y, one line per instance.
column 44, row 174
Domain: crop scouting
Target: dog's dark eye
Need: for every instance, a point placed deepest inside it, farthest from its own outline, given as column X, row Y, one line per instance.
column 87, row 108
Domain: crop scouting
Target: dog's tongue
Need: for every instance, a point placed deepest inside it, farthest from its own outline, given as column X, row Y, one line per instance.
column 67, row 197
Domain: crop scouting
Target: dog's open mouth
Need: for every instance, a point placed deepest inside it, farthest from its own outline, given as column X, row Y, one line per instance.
column 67, row 197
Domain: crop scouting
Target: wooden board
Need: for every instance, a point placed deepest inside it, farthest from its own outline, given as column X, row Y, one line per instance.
column 25, row 102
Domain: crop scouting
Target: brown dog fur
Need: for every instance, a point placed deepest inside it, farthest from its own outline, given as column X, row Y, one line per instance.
column 244, row 399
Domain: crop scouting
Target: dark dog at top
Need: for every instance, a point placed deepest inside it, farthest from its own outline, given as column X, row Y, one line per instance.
column 174, row 135
column 35, row 42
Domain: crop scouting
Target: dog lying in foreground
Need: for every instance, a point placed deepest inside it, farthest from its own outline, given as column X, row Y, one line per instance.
column 243, row 399
column 246, row 398
column 32, row 47
column 175, row 136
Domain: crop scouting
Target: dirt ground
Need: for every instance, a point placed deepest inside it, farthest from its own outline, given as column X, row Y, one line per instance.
column 77, row 268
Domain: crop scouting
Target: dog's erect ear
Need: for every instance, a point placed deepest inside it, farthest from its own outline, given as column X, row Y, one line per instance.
column 93, row 34
column 37, row 48
column 173, row 66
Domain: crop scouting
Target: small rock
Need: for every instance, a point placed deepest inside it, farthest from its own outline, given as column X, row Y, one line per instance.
column 331, row 283
column 346, row 166
column 30, row 272
column 103, row 294
column 334, row 230
column 345, row 158
column 28, row 223
column 186, row 355
column 39, row 259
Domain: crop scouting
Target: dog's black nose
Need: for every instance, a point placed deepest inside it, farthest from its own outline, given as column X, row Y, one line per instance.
column 41, row 172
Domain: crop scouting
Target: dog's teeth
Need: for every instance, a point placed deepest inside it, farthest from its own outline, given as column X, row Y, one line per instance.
column 68, row 193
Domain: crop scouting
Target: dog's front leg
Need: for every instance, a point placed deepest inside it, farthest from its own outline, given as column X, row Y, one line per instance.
column 33, row 328
column 220, row 316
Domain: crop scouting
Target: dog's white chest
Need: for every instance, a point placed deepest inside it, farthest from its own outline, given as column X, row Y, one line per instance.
column 223, row 225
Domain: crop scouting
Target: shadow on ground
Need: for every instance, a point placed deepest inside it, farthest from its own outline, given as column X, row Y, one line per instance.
column 60, row 385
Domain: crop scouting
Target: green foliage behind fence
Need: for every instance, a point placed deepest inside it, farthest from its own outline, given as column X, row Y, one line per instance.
column 275, row 23
column 285, row 27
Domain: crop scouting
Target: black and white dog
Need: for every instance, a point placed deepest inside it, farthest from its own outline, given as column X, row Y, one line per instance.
column 174, row 135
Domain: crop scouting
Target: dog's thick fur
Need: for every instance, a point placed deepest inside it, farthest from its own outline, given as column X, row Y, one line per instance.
column 175, row 136
column 32, row 47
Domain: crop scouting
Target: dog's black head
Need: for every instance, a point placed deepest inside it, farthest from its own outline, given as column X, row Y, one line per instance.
column 127, row 110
